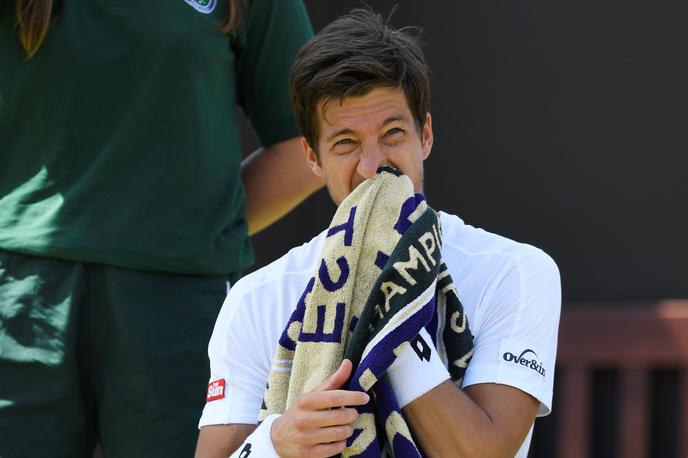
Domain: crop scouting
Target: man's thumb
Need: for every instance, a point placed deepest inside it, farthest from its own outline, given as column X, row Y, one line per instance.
column 339, row 378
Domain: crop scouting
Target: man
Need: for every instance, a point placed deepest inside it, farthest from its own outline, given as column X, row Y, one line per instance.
column 361, row 97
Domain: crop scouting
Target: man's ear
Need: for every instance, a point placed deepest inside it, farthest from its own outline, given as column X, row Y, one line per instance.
column 427, row 136
column 312, row 158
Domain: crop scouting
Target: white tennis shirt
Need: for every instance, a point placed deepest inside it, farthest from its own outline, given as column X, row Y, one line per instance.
column 511, row 293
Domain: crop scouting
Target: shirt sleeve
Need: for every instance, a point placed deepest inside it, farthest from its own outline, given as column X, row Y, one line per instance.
column 517, row 341
column 237, row 369
column 275, row 31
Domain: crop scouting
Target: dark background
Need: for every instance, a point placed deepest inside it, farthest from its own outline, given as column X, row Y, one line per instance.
column 561, row 124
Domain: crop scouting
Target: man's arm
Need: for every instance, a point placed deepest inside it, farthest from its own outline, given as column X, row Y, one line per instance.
column 485, row 420
column 238, row 370
column 219, row 441
column 493, row 414
column 317, row 425
column 277, row 178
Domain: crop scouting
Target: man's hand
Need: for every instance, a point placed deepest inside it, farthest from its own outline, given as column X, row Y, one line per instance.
column 318, row 423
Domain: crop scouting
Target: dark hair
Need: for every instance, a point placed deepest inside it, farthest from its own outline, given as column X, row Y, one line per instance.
column 35, row 17
column 351, row 56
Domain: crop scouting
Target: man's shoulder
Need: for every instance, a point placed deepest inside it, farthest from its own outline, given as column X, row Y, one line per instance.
column 297, row 262
column 273, row 289
column 468, row 249
column 470, row 241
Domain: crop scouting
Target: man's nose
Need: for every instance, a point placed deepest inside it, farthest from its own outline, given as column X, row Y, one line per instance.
column 371, row 158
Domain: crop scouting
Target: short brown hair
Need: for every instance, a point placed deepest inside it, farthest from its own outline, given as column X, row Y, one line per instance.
column 351, row 56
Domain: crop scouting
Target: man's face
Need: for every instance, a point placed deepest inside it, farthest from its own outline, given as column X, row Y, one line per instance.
column 362, row 133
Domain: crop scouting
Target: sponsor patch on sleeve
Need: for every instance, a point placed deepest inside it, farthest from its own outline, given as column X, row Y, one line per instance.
column 512, row 351
column 216, row 390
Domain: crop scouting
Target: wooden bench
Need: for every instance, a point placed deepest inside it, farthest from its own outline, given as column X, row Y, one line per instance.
column 634, row 341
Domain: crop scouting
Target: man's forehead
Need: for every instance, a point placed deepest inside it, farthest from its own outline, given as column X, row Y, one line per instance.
column 382, row 104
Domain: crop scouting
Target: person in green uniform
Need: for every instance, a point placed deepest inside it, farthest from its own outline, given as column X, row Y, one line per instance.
column 124, row 208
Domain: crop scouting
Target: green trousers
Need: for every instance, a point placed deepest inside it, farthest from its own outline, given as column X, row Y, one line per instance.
column 92, row 353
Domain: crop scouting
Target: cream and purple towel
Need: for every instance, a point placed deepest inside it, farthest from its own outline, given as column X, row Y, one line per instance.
column 380, row 280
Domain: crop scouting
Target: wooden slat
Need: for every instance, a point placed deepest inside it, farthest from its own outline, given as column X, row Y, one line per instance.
column 603, row 336
column 573, row 427
column 634, row 432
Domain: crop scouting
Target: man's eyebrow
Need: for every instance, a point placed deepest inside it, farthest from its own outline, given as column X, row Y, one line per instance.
column 395, row 118
column 347, row 131
column 337, row 133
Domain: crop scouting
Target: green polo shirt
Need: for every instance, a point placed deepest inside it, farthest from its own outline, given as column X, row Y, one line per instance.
column 119, row 141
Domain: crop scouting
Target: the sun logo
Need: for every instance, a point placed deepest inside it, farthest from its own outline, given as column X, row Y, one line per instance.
column 216, row 390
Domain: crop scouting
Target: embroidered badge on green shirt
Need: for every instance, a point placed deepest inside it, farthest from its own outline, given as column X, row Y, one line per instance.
column 203, row 6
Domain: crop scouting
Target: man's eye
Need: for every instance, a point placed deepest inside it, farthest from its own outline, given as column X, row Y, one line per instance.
column 344, row 141
column 394, row 131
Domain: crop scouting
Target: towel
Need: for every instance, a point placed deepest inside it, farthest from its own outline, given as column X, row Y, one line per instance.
column 379, row 281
